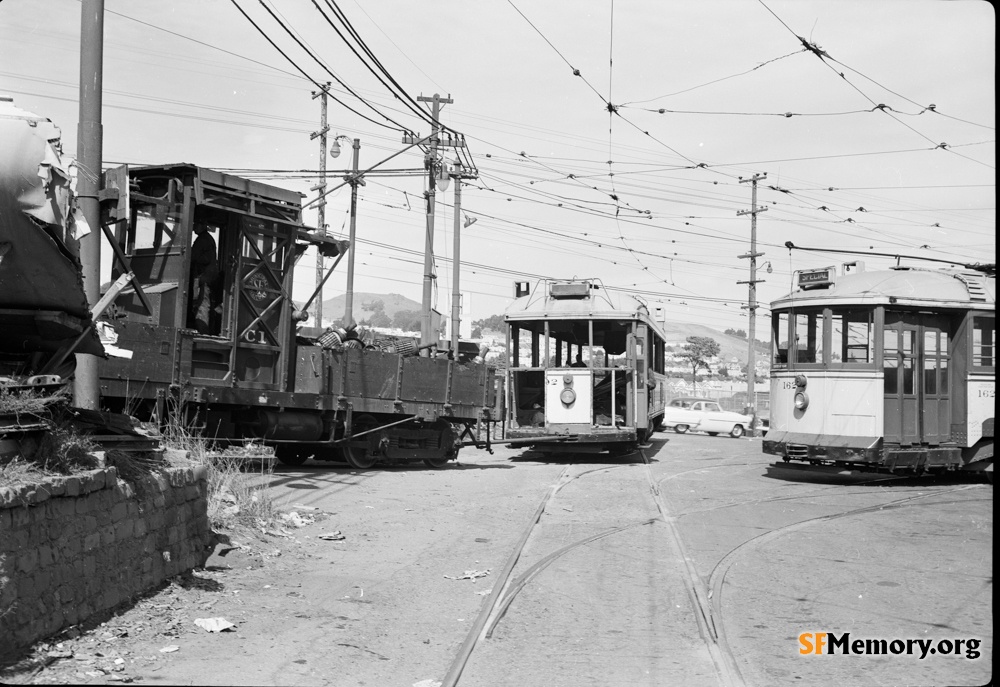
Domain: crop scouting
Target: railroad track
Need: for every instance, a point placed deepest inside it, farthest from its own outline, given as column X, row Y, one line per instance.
column 706, row 597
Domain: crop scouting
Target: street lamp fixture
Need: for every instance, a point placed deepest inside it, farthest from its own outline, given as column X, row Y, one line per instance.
column 335, row 147
column 443, row 178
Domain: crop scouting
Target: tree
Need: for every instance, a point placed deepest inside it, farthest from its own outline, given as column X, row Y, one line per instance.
column 407, row 320
column 493, row 322
column 697, row 352
column 378, row 317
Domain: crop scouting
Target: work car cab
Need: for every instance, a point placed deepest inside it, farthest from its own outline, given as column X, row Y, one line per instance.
column 703, row 415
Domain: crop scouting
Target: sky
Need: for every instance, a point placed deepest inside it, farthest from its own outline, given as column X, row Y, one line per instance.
column 611, row 140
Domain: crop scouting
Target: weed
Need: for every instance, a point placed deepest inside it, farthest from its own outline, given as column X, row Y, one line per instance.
column 29, row 401
column 64, row 450
column 16, row 471
column 238, row 488
column 132, row 465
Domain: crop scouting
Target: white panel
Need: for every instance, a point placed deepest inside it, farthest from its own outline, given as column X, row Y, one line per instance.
column 840, row 404
column 577, row 412
column 982, row 406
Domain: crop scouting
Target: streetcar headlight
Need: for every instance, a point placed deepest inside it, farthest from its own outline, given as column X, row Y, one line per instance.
column 801, row 400
column 567, row 396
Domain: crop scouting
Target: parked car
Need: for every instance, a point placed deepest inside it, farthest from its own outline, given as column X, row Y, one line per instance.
column 703, row 415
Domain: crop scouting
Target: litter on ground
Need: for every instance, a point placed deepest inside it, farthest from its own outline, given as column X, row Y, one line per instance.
column 469, row 575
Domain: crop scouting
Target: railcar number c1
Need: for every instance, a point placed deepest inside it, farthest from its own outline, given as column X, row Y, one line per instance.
column 987, row 393
column 255, row 336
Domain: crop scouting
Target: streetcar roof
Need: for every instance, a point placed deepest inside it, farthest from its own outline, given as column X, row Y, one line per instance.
column 901, row 286
column 598, row 304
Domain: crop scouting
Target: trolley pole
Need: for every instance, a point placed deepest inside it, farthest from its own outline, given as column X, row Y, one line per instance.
column 86, row 383
column 321, row 187
column 432, row 163
column 355, row 182
column 752, row 301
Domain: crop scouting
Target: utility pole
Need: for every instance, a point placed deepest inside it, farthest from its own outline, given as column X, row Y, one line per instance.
column 456, row 294
column 433, row 165
column 321, row 187
column 90, row 142
column 752, row 302
column 355, row 181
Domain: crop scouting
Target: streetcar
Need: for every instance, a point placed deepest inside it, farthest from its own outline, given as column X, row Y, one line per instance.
column 888, row 370
column 209, row 326
column 586, row 373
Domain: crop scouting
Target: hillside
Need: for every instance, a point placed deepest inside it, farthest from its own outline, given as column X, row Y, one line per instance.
column 333, row 308
column 731, row 346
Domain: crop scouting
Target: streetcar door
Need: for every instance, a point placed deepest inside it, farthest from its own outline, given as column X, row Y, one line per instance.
column 262, row 303
column 638, row 362
column 915, row 361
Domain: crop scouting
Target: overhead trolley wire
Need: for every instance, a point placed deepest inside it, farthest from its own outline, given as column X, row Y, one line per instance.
column 824, row 56
column 576, row 72
column 336, row 78
column 303, row 72
column 207, row 45
column 731, row 76
column 407, row 100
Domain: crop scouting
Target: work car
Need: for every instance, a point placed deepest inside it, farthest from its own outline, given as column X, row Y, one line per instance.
column 703, row 415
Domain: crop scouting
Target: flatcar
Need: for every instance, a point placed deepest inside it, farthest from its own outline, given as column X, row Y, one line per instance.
column 888, row 370
column 585, row 372
column 208, row 325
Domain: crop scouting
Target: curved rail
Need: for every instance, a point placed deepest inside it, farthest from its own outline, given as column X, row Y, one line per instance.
column 717, row 577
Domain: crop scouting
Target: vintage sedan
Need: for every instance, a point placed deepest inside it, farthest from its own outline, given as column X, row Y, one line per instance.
column 703, row 415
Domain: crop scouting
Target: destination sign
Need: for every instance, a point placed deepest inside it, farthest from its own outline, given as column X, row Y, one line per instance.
column 814, row 278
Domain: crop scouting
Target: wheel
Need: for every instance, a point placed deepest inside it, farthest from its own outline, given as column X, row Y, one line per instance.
column 290, row 454
column 436, row 463
column 681, row 429
column 358, row 453
column 713, row 434
column 736, row 432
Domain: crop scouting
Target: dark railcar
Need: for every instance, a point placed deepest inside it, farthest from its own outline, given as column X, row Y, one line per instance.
column 224, row 340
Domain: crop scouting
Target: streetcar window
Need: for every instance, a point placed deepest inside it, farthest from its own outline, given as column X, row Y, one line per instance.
column 984, row 341
column 852, row 336
column 930, row 375
column 890, row 361
column 779, row 339
column 809, row 337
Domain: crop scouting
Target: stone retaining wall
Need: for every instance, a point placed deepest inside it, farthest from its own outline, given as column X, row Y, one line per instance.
column 71, row 547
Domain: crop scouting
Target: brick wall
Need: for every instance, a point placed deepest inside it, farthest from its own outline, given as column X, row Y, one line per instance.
column 71, row 547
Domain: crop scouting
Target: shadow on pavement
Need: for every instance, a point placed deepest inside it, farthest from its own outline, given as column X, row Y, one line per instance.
column 828, row 474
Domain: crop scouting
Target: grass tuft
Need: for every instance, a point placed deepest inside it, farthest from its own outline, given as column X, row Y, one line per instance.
column 238, row 480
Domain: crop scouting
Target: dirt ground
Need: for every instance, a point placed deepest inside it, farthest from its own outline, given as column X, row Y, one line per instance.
column 378, row 577
column 357, row 587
